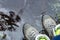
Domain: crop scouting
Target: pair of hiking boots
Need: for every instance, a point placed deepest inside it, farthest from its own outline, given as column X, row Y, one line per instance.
column 31, row 33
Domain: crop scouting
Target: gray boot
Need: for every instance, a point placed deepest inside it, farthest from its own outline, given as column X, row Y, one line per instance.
column 30, row 33
column 48, row 24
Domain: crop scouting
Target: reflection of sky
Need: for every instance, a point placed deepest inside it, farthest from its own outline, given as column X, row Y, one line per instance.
column 31, row 14
column 54, row 5
column 12, row 4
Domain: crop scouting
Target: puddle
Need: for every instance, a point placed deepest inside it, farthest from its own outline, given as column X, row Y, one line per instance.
column 31, row 14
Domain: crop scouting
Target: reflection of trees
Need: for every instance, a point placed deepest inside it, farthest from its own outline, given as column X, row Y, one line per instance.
column 8, row 21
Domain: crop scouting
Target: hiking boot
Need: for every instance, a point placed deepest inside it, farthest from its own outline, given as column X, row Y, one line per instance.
column 30, row 33
column 48, row 24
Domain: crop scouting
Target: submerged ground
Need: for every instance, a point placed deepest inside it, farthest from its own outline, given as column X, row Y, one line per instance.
column 32, row 10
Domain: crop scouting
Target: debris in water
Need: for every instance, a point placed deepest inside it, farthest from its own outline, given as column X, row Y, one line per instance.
column 8, row 22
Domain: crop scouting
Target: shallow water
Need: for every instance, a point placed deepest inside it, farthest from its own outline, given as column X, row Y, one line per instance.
column 32, row 10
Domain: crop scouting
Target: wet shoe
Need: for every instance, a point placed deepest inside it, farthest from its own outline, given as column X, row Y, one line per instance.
column 30, row 33
column 48, row 24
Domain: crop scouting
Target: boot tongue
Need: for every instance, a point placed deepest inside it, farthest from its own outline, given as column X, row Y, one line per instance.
column 56, row 31
column 42, row 37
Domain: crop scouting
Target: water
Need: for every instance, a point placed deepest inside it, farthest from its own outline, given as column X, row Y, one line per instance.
column 31, row 14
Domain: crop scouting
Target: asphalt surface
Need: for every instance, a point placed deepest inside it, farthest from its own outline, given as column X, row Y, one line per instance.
column 31, row 14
